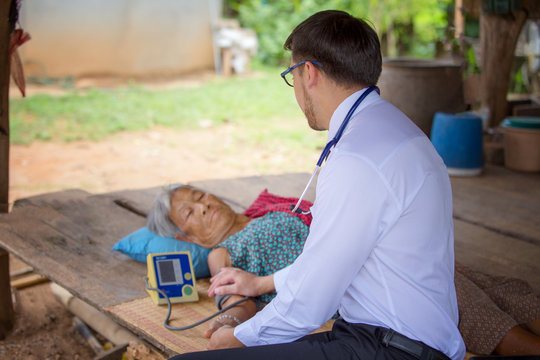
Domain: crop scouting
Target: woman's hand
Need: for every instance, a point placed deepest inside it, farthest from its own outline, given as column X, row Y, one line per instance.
column 218, row 323
column 224, row 338
column 235, row 281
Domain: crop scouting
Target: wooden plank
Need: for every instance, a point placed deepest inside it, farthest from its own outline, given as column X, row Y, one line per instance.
column 497, row 254
column 137, row 201
column 27, row 281
column 77, row 238
column 56, row 199
column 500, row 200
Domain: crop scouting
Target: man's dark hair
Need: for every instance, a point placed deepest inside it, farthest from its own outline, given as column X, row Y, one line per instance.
column 348, row 47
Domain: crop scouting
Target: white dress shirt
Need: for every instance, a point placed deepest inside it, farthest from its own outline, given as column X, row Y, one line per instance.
column 381, row 245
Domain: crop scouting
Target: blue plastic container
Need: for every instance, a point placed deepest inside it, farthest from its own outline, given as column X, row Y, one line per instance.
column 458, row 140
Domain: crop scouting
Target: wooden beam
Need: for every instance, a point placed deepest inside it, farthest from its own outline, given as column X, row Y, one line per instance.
column 6, row 305
column 27, row 281
column 4, row 104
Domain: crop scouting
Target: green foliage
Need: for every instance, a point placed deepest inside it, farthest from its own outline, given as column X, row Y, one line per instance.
column 430, row 24
column 518, row 84
column 273, row 20
column 519, row 76
column 471, row 62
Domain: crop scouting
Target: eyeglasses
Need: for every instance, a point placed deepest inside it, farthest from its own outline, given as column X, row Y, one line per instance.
column 288, row 76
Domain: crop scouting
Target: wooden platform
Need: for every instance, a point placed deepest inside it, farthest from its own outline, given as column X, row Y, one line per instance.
column 67, row 236
column 497, row 223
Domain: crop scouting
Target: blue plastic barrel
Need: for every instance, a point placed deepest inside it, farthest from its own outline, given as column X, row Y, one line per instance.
column 458, row 140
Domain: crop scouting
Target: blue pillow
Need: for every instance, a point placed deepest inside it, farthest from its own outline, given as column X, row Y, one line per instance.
column 143, row 242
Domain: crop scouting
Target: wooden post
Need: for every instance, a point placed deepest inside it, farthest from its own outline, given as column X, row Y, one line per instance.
column 226, row 61
column 459, row 20
column 6, row 305
column 7, row 316
column 498, row 38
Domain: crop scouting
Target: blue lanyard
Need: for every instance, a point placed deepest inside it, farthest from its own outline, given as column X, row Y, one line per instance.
column 332, row 143
column 336, row 138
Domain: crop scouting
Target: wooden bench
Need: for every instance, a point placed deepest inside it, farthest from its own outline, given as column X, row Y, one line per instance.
column 67, row 236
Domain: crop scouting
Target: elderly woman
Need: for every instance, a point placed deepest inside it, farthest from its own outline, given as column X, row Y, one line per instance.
column 497, row 314
column 262, row 240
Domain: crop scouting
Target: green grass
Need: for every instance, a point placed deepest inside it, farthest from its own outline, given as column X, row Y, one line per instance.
column 262, row 107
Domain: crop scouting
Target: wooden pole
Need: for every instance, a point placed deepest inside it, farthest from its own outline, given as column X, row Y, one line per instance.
column 498, row 38
column 459, row 20
column 7, row 316
column 4, row 104
column 6, row 305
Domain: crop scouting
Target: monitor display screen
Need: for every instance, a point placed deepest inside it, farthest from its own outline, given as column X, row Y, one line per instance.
column 169, row 272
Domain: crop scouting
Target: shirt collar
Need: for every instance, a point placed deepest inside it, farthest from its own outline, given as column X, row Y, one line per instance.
column 341, row 111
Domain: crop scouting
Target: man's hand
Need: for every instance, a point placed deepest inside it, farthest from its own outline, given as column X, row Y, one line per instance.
column 238, row 282
column 223, row 338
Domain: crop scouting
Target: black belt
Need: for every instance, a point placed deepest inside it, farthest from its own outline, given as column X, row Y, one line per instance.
column 411, row 347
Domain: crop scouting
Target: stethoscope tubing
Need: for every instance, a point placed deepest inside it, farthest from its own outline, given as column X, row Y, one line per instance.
column 326, row 151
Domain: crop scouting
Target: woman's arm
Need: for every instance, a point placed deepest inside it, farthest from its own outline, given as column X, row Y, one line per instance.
column 218, row 259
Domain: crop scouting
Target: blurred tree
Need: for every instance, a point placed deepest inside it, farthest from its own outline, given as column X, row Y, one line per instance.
column 410, row 28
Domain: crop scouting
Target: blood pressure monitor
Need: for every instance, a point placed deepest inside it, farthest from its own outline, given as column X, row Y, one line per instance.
column 173, row 274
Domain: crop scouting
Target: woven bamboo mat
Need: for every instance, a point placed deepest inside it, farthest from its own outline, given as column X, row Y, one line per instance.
column 146, row 318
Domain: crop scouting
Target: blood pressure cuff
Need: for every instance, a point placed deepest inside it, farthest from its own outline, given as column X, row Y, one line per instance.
column 220, row 300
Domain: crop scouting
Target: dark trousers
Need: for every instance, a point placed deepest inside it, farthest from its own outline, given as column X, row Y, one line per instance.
column 345, row 341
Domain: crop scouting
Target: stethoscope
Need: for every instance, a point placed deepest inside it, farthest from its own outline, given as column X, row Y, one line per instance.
column 329, row 145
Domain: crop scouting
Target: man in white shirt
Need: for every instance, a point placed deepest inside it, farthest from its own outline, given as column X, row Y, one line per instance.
column 381, row 245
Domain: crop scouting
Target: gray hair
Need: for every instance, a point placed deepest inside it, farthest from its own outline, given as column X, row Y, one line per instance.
column 158, row 220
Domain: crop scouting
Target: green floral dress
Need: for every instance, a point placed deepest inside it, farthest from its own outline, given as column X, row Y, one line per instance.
column 267, row 244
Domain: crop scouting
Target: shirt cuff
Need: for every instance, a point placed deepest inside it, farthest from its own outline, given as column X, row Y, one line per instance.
column 280, row 277
column 245, row 334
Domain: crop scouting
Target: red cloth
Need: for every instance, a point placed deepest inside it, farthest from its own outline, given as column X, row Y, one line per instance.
column 267, row 202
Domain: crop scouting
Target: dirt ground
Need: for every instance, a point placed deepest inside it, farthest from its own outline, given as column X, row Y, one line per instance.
column 44, row 329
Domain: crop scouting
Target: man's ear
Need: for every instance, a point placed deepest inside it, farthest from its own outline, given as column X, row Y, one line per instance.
column 312, row 74
column 186, row 238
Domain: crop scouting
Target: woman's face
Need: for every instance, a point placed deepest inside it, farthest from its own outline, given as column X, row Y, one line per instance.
column 204, row 218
